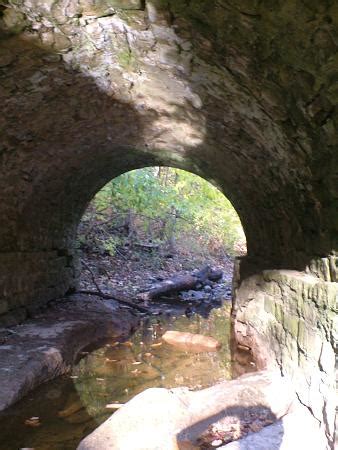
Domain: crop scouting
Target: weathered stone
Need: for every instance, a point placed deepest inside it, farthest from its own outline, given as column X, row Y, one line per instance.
column 242, row 96
column 126, row 4
column 47, row 346
column 191, row 342
column 105, row 7
column 6, row 57
column 12, row 21
column 29, row 273
column 294, row 431
column 289, row 318
column 188, row 85
column 161, row 418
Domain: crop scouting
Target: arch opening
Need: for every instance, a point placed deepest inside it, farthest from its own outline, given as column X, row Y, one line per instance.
column 242, row 96
column 160, row 223
column 164, row 203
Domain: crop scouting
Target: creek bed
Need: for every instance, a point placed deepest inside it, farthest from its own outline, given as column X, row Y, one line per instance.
column 72, row 406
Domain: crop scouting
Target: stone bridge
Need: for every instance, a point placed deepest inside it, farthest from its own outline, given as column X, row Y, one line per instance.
column 243, row 93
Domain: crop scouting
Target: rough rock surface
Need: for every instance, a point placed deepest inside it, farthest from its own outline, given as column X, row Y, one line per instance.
column 287, row 320
column 159, row 419
column 243, row 94
column 292, row 432
column 46, row 346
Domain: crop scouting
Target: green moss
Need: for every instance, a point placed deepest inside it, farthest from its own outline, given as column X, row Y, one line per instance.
column 279, row 313
column 291, row 324
column 133, row 18
column 126, row 59
column 125, row 4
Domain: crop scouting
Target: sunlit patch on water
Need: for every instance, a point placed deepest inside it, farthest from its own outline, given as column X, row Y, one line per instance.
column 59, row 414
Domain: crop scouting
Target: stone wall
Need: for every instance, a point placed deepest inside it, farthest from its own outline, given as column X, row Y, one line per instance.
column 28, row 280
column 287, row 320
column 242, row 93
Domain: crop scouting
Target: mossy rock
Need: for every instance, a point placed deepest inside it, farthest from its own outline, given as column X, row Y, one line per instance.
column 125, row 4
column 106, row 7
column 12, row 21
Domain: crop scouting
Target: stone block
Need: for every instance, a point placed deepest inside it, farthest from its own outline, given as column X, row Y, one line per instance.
column 290, row 358
column 279, row 311
column 269, row 304
column 3, row 306
column 33, row 278
column 170, row 414
column 291, row 325
column 125, row 4
column 104, row 7
column 333, row 264
column 327, row 358
column 310, row 313
column 309, row 340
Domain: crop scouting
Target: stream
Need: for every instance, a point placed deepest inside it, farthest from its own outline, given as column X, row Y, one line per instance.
column 58, row 414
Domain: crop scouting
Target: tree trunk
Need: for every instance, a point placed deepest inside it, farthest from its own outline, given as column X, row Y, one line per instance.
column 180, row 283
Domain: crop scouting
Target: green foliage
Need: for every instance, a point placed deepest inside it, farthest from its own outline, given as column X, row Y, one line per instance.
column 169, row 205
column 110, row 244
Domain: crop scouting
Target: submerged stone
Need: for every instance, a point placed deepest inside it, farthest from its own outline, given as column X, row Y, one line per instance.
column 191, row 342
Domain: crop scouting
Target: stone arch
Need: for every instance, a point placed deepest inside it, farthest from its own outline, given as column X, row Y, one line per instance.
column 239, row 92
column 72, row 121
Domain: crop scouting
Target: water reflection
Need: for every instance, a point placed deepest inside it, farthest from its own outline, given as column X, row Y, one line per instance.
column 71, row 407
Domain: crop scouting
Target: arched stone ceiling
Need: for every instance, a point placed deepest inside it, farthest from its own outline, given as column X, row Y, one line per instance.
column 243, row 93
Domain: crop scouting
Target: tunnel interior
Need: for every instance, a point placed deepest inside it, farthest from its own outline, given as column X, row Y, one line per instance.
column 242, row 93
column 95, row 90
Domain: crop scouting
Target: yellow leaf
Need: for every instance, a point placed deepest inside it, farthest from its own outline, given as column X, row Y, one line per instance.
column 33, row 422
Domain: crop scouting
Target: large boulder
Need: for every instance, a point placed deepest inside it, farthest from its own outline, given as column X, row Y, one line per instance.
column 162, row 419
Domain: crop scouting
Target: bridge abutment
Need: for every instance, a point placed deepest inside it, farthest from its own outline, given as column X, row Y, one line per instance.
column 286, row 319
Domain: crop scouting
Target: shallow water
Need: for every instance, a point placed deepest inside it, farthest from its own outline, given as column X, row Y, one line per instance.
column 70, row 407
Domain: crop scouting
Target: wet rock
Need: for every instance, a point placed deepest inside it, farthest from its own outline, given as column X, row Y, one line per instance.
column 189, row 312
column 79, row 417
column 171, row 416
column 191, row 342
column 43, row 348
column 216, row 275
column 217, row 301
column 71, row 409
column 295, row 430
column 33, row 422
column 193, row 295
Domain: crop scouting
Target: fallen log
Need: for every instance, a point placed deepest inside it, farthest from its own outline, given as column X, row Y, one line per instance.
column 181, row 283
column 146, row 246
column 191, row 342
column 176, row 284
